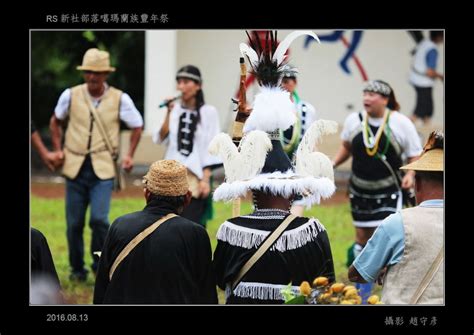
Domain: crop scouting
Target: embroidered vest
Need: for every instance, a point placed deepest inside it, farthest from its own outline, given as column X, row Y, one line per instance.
column 83, row 136
column 423, row 239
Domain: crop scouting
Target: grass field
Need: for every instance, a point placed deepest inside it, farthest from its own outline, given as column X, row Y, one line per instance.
column 48, row 215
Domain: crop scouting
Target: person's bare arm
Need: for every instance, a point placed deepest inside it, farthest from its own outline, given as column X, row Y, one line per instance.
column 127, row 161
column 408, row 180
column 354, row 275
column 165, row 128
column 50, row 159
column 342, row 154
column 205, row 183
column 56, row 132
column 433, row 74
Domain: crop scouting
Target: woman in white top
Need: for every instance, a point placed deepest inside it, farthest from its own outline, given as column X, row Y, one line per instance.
column 377, row 138
column 187, row 130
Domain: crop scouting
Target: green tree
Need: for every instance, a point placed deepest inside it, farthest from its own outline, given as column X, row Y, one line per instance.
column 55, row 55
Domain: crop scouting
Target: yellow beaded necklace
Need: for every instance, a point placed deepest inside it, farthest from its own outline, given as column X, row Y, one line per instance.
column 372, row 146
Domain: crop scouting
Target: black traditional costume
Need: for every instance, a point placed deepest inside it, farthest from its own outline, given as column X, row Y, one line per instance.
column 172, row 265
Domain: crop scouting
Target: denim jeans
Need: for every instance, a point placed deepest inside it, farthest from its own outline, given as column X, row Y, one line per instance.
column 86, row 189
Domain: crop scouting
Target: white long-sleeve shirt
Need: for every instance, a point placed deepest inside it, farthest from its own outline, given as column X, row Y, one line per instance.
column 206, row 129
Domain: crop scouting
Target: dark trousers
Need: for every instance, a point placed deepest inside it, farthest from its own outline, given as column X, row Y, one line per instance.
column 195, row 210
column 87, row 189
column 424, row 102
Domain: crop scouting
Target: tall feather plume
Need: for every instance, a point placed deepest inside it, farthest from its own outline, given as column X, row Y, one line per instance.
column 260, row 57
column 267, row 59
column 279, row 54
column 249, row 161
column 309, row 162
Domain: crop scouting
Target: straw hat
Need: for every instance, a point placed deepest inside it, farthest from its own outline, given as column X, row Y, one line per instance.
column 432, row 157
column 167, row 178
column 96, row 60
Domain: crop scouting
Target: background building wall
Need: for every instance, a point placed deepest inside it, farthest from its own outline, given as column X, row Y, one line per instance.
column 383, row 54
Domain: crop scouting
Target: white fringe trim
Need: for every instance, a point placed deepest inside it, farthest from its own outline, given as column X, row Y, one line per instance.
column 260, row 291
column 278, row 183
column 250, row 238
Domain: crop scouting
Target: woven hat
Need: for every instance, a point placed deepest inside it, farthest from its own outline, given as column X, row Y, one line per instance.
column 96, row 60
column 432, row 156
column 259, row 163
column 167, row 178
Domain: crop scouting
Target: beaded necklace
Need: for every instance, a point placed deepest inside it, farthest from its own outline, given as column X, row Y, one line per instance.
column 292, row 145
column 371, row 141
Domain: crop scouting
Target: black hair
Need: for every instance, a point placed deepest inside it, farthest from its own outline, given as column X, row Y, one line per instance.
column 392, row 101
column 199, row 94
column 434, row 34
column 175, row 201
column 433, row 176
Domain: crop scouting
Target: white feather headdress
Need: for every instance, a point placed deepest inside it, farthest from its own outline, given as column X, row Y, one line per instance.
column 260, row 162
column 272, row 107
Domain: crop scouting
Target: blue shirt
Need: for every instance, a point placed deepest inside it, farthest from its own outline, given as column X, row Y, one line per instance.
column 386, row 246
column 432, row 58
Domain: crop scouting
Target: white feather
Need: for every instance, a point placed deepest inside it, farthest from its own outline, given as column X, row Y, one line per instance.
column 285, row 44
column 254, row 147
column 310, row 163
column 252, row 56
column 244, row 164
column 278, row 183
column 272, row 109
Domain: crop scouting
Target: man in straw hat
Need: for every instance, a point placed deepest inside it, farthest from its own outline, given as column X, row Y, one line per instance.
column 259, row 254
column 410, row 243
column 91, row 148
column 155, row 256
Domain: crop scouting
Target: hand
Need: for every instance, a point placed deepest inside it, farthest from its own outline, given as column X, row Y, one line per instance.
column 204, row 189
column 248, row 110
column 53, row 160
column 170, row 104
column 408, row 180
column 381, row 276
column 127, row 163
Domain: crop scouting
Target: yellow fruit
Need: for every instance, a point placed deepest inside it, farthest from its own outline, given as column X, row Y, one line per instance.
column 334, row 300
column 379, row 303
column 348, row 287
column 358, row 300
column 347, row 302
column 337, row 287
column 350, row 293
column 325, row 296
column 305, row 288
column 321, row 281
column 373, row 299
column 352, row 301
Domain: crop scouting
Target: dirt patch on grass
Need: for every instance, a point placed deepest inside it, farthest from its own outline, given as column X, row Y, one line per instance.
column 57, row 191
